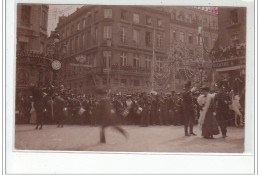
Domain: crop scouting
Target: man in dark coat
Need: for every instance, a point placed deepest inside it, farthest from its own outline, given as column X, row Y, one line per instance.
column 222, row 101
column 107, row 115
column 188, row 111
column 37, row 96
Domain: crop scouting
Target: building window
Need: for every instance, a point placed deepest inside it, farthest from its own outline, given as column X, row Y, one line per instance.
column 173, row 15
column 41, row 47
column 136, row 83
column 206, row 41
column 205, row 22
column 96, row 34
column 123, row 59
column 123, row 81
column 123, row 34
column 159, row 41
column 83, row 41
column 180, row 16
column 136, row 61
column 234, row 16
column 44, row 20
column 23, row 45
column 72, row 45
column 84, row 23
column 148, row 62
column 136, row 18
column 190, row 18
column 108, row 13
column 107, row 32
column 234, row 40
column 182, row 37
column 148, row 38
column 26, row 14
column 72, row 29
column 136, row 36
column 95, row 16
column 159, row 23
column 159, row 64
column 190, row 39
column 191, row 52
column 78, row 26
column 76, row 43
column 148, row 20
column 174, row 36
column 107, row 59
column 123, row 14
column 68, row 32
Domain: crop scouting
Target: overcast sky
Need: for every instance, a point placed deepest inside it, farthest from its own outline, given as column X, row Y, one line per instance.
column 58, row 10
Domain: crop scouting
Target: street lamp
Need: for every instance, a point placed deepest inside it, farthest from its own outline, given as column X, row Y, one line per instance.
column 56, row 64
column 201, row 72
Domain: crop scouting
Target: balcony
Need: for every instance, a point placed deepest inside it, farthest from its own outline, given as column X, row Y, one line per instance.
column 115, row 68
column 229, row 52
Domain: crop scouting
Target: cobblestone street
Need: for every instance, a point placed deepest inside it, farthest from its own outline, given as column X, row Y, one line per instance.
column 141, row 139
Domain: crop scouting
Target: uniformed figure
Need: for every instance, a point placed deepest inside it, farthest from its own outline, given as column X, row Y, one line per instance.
column 107, row 115
column 222, row 101
column 188, row 111
column 37, row 95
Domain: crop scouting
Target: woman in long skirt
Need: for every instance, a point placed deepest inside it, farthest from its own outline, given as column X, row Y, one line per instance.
column 207, row 121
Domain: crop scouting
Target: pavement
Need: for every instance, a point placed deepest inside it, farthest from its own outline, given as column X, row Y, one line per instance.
column 140, row 139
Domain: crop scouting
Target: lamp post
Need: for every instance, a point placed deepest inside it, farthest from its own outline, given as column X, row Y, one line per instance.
column 56, row 64
column 201, row 72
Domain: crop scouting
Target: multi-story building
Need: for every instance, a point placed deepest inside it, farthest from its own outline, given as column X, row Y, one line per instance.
column 31, row 65
column 189, row 48
column 230, row 49
column 112, row 45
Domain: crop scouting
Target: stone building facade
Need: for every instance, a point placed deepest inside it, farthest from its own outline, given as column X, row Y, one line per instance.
column 231, row 47
column 31, row 65
column 113, row 45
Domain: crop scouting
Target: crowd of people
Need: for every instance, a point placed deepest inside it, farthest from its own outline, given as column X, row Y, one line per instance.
column 57, row 105
column 230, row 51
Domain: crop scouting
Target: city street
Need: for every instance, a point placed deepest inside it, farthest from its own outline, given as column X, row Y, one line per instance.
column 141, row 139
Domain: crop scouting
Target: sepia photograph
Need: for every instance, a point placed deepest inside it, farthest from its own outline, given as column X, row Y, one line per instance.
column 130, row 78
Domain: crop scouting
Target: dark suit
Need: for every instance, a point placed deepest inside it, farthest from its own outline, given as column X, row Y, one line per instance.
column 222, row 108
column 188, row 112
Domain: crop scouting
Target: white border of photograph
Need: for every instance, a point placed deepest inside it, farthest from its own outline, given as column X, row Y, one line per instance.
column 43, row 162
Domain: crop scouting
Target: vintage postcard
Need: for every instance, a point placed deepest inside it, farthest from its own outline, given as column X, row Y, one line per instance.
column 132, row 78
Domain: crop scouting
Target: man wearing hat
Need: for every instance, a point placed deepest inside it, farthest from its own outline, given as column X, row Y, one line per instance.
column 188, row 111
column 222, row 101
column 107, row 114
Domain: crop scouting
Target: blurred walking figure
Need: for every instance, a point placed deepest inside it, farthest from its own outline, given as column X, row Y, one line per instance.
column 107, row 115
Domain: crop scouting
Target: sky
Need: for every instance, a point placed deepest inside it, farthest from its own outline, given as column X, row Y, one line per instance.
column 58, row 10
